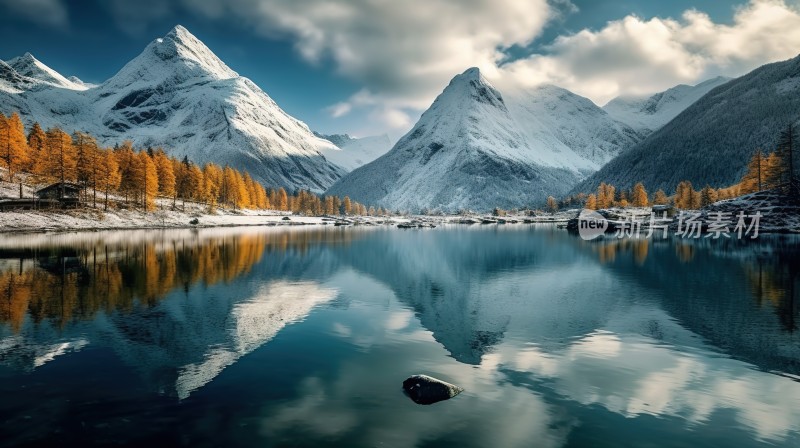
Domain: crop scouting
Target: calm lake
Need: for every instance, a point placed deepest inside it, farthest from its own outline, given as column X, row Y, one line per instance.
column 303, row 337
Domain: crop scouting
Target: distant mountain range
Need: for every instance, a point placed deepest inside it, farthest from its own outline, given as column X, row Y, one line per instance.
column 179, row 95
column 352, row 152
column 477, row 147
column 647, row 114
column 711, row 141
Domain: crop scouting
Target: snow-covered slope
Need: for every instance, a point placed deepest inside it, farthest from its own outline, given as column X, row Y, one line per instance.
column 647, row 114
column 179, row 95
column 711, row 141
column 28, row 66
column 568, row 124
column 476, row 149
column 354, row 152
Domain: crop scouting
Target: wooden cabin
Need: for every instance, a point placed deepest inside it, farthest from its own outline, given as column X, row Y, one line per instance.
column 57, row 195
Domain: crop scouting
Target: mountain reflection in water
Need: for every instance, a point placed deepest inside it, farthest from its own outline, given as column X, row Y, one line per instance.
column 303, row 336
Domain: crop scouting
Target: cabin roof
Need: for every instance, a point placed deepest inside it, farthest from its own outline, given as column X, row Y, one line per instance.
column 59, row 185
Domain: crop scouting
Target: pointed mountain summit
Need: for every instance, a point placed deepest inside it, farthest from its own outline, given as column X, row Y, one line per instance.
column 178, row 94
column 175, row 58
column 27, row 65
column 465, row 152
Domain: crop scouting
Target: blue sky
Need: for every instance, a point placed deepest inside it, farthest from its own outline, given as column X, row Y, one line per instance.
column 367, row 66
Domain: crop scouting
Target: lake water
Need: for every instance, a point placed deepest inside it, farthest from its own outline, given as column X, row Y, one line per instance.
column 303, row 337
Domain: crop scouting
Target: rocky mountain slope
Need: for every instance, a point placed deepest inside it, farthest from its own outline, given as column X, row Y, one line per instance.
column 178, row 94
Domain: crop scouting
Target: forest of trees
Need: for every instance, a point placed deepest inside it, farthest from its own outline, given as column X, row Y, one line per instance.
column 125, row 176
column 764, row 172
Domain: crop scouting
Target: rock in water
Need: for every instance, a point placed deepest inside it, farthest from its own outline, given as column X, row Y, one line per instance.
column 424, row 389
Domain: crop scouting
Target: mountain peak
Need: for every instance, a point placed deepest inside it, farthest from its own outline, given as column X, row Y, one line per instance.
column 177, row 57
column 472, row 72
column 27, row 65
column 471, row 85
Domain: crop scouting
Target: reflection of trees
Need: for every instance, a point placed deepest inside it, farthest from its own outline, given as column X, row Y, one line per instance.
column 774, row 284
column 684, row 251
column 65, row 285
column 608, row 249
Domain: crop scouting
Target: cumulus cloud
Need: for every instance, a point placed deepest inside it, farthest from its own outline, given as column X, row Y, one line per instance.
column 637, row 56
column 403, row 53
column 43, row 12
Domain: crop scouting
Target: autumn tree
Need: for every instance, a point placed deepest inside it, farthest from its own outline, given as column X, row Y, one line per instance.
column 347, row 206
column 754, row 178
column 660, row 198
column 591, row 202
column 708, row 196
column 109, row 177
column 37, row 160
column 166, row 173
column 13, row 147
column 639, row 196
column 146, row 180
column 85, row 153
column 61, row 161
column 212, row 180
column 552, row 204
column 605, row 195
column 126, row 160
column 282, row 199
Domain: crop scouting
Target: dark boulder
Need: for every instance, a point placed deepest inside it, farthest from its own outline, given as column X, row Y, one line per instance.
column 423, row 389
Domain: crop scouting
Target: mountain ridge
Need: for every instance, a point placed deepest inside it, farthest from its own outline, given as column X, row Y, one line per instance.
column 178, row 94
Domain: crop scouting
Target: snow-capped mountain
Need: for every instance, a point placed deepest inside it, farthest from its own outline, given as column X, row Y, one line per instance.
column 647, row 114
column 354, row 152
column 568, row 124
column 713, row 139
column 30, row 67
column 475, row 149
column 178, row 94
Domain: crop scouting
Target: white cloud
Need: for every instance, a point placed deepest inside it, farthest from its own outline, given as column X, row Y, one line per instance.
column 43, row 12
column 403, row 53
column 635, row 56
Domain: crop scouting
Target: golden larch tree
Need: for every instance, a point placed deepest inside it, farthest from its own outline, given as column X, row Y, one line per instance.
column 591, row 202
column 37, row 160
column 147, row 180
column 660, row 198
column 639, row 195
column 166, row 173
column 13, row 146
column 61, row 161
column 109, row 177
